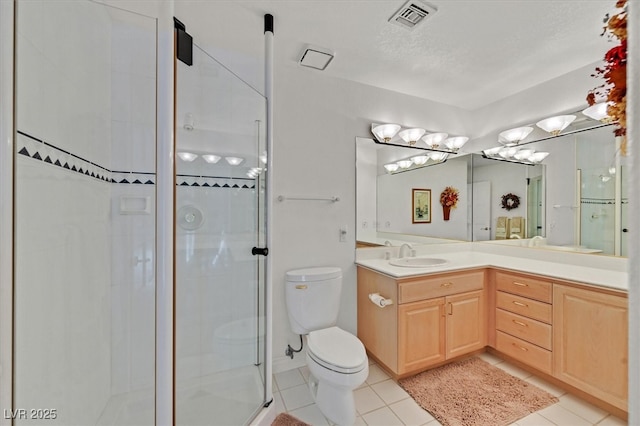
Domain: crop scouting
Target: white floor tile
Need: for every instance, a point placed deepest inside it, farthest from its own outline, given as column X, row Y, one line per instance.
column 534, row 419
column 310, row 414
column 561, row 416
column 359, row 422
column 382, row 417
column 376, row 374
column 367, row 400
column 277, row 400
column 288, row 379
column 490, row 358
column 305, row 372
column 613, row 421
column 513, row 370
column 546, row 386
column 411, row 413
column 582, row 408
column 389, row 391
column 296, row 397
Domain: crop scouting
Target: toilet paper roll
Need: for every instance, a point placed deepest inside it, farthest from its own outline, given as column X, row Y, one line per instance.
column 379, row 301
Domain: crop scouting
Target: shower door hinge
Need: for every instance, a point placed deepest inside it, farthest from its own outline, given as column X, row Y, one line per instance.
column 184, row 42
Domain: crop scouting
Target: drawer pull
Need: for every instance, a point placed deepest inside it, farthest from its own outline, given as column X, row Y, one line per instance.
column 520, row 284
column 450, row 308
column 520, row 347
column 524, row 305
column 446, row 284
column 520, row 323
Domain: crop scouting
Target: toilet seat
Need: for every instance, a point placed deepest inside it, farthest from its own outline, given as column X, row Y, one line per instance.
column 337, row 350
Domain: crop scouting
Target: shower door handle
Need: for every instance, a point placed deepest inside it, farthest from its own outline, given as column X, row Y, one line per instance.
column 260, row 250
column 625, row 230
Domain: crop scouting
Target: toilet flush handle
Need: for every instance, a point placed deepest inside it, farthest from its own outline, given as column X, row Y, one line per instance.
column 301, row 287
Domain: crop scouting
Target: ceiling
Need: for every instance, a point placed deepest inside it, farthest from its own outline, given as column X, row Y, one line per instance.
column 468, row 54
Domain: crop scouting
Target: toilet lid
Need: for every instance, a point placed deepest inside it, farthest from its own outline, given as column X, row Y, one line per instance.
column 336, row 347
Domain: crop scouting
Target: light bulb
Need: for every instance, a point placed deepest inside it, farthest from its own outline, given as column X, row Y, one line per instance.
column 210, row 158
column 555, row 125
column 434, row 139
column 391, row 167
column 420, row 159
column 411, row 136
column 385, row 132
column 404, row 164
column 187, row 156
column 234, row 161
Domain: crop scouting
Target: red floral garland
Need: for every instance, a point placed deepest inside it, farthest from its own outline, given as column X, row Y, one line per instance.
column 614, row 72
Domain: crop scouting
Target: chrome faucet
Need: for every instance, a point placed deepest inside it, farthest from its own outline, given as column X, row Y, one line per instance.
column 536, row 241
column 515, row 237
column 405, row 250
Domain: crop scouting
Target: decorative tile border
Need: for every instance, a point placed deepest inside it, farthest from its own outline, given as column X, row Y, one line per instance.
column 606, row 201
column 214, row 182
column 39, row 150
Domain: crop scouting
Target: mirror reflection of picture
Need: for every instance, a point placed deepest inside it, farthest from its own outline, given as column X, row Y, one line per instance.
column 421, row 206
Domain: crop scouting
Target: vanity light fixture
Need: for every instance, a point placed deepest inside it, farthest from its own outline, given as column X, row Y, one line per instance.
column 434, row 139
column 404, row 164
column 234, row 161
column 507, row 152
column 513, row 137
column 391, row 167
column 537, row 157
column 555, row 125
column 210, row 158
column 455, row 143
column 385, row 132
column 524, row 154
column 438, row 156
column 411, row 136
column 419, row 160
column 598, row 112
column 254, row 172
column 187, row 156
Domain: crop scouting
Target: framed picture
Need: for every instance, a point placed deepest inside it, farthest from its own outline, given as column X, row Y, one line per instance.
column 421, row 206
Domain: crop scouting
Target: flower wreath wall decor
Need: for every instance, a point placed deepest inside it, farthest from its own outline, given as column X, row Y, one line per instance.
column 510, row 201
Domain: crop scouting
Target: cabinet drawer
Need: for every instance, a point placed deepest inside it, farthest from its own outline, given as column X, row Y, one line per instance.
column 523, row 285
column 524, row 351
column 532, row 331
column 421, row 288
column 523, row 306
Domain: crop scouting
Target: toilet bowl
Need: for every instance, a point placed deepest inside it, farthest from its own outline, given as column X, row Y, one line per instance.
column 337, row 360
column 338, row 364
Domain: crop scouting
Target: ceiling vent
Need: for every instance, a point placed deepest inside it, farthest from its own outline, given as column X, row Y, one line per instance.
column 315, row 57
column 411, row 14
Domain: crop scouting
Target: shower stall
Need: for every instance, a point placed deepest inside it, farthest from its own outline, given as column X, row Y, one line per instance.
column 137, row 291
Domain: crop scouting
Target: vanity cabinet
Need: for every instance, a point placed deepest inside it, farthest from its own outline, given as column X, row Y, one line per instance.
column 434, row 318
column 523, row 318
column 590, row 342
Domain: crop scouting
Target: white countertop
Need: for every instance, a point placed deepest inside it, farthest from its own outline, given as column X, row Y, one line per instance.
column 610, row 273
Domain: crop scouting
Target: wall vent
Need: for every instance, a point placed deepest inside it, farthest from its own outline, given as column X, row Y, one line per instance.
column 412, row 13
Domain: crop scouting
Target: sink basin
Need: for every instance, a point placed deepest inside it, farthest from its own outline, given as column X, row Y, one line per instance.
column 417, row 262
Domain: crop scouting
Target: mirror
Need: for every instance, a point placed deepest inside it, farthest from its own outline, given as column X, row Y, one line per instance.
column 573, row 201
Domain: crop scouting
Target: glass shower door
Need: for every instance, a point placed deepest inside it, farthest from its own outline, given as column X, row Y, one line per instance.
column 220, row 208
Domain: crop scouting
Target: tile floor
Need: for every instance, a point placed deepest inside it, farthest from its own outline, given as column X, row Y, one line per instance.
column 381, row 402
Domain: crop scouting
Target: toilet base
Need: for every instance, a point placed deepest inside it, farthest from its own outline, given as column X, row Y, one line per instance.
column 336, row 403
column 335, row 400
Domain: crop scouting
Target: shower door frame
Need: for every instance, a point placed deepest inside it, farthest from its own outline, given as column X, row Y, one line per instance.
column 7, row 23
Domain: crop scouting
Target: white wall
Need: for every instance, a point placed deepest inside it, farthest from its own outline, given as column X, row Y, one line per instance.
column 395, row 200
column 504, row 178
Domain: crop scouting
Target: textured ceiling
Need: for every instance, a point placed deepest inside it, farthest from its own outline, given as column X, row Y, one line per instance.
column 469, row 54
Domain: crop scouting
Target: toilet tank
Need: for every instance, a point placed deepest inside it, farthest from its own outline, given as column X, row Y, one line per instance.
column 313, row 298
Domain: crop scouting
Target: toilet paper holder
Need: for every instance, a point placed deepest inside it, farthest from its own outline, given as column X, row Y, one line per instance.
column 379, row 301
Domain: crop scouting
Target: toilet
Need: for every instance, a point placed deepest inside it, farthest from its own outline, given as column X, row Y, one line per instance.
column 336, row 359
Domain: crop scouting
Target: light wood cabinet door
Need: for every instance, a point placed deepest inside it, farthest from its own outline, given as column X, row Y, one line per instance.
column 465, row 323
column 421, row 334
column 590, row 342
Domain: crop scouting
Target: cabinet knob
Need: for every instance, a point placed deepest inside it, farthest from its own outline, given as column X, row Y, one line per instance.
column 446, row 284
